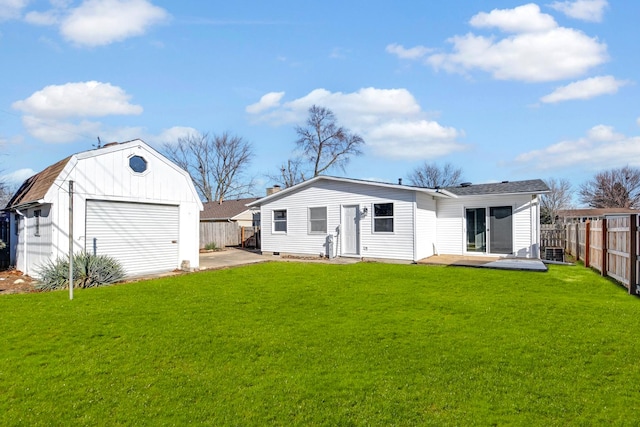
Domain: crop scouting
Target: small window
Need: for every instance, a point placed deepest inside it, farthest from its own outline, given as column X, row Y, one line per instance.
column 318, row 220
column 280, row 221
column 383, row 217
column 17, row 221
column 36, row 216
column 137, row 164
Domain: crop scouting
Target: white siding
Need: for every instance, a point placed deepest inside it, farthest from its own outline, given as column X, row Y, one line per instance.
column 38, row 248
column 451, row 227
column 426, row 225
column 334, row 195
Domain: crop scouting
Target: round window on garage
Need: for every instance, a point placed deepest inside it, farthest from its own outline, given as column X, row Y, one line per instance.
column 137, row 164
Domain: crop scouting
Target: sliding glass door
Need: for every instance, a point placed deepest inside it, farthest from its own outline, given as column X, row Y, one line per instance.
column 476, row 230
column 497, row 237
column 501, row 226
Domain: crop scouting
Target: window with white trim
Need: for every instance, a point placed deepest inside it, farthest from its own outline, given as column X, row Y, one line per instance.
column 280, row 221
column 318, row 220
column 383, row 217
column 36, row 214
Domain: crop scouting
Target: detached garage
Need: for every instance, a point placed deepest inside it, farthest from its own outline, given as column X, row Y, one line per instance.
column 129, row 202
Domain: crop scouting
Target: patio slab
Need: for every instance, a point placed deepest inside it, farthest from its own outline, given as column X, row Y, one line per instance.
column 486, row 262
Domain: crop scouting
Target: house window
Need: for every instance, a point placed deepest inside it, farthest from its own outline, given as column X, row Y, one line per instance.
column 383, row 217
column 280, row 221
column 318, row 220
column 36, row 215
column 137, row 164
column 17, row 221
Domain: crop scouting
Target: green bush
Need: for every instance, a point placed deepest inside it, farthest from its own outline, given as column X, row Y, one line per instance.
column 211, row 246
column 88, row 271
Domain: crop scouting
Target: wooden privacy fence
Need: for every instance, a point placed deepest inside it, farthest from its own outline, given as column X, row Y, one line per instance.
column 552, row 236
column 224, row 234
column 609, row 245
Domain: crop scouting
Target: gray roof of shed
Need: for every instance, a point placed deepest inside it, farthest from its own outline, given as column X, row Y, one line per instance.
column 532, row 186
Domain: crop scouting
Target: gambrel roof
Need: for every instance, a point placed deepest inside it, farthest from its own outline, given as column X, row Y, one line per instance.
column 35, row 188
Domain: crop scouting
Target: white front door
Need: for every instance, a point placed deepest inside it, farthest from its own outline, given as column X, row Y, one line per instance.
column 351, row 230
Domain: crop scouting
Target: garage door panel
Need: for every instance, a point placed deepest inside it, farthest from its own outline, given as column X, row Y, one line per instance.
column 143, row 237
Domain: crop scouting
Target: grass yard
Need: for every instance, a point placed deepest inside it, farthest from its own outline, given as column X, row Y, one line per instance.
column 311, row 344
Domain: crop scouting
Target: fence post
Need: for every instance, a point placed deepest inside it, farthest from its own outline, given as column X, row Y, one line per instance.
column 577, row 241
column 604, row 246
column 587, row 242
column 633, row 254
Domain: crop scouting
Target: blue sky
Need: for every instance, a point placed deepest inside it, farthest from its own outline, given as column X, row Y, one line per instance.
column 504, row 90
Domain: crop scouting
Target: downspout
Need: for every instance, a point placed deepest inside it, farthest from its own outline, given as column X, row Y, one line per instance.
column 24, row 233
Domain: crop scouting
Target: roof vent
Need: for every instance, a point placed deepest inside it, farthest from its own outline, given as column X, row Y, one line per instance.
column 465, row 184
column 505, row 182
column 399, row 181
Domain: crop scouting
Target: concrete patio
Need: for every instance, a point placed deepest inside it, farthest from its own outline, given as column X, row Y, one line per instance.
column 504, row 263
column 231, row 257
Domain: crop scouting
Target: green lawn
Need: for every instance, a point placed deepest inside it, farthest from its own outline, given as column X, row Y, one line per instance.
column 311, row 344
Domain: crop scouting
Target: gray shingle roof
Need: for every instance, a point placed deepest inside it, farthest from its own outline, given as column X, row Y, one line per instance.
column 532, row 186
column 225, row 210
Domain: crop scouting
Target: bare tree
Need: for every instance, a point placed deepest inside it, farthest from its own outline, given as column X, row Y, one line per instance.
column 430, row 175
column 217, row 164
column 290, row 173
column 557, row 199
column 614, row 188
column 7, row 190
column 324, row 144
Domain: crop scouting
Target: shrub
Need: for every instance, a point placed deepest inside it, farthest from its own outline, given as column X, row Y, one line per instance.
column 88, row 271
column 211, row 246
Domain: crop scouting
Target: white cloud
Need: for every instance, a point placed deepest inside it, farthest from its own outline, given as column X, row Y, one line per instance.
column 585, row 89
column 53, row 114
column 522, row 19
column 83, row 99
column 50, row 17
column 400, row 51
column 58, row 131
column 390, row 120
column 586, row 10
column 11, row 9
column 602, row 147
column 270, row 100
column 18, row 177
column 536, row 50
column 171, row 135
column 101, row 22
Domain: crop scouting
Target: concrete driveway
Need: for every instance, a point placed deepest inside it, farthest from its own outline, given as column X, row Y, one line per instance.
column 229, row 257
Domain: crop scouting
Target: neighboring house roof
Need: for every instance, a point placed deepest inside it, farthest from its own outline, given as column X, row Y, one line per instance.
column 35, row 188
column 532, row 186
column 227, row 209
column 593, row 212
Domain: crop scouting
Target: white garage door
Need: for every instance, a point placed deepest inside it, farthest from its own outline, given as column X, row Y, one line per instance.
column 143, row 237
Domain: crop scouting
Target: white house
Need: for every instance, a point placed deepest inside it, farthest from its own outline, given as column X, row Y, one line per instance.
column 127, row 201
column 345, row 217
